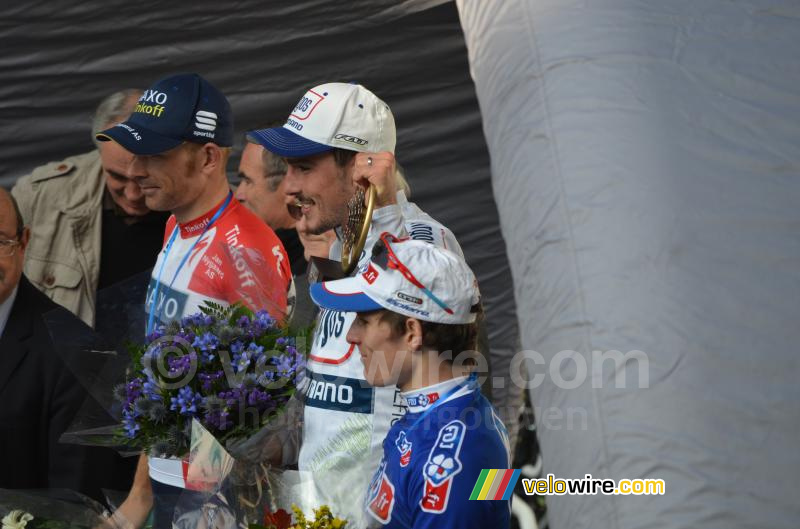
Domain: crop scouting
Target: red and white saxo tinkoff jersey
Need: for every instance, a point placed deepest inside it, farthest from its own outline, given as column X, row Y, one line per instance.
column 238, row 259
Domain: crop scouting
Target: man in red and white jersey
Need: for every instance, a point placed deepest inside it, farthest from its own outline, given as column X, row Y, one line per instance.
column 215, row 249
column 235, row 259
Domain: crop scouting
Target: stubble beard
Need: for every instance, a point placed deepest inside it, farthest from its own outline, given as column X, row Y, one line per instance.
column 338, row 214
column 161, row 201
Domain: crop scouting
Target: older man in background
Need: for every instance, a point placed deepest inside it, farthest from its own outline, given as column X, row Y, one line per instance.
column 262, row 189
column 38, row 396
column 89, row 223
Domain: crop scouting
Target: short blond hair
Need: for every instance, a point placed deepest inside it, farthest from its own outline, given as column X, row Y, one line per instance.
column 400, row 179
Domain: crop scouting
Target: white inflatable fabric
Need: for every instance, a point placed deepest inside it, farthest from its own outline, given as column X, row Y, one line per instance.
column 646, row 166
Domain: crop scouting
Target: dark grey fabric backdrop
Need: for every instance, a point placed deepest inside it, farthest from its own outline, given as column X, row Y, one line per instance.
column 61, row 57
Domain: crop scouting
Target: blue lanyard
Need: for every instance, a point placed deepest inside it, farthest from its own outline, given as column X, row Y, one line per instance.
column 172, row 237
column 471, row 381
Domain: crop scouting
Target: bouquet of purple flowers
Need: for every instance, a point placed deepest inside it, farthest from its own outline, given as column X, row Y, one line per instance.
column 231, row 369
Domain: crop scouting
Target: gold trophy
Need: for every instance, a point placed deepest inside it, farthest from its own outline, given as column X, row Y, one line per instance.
column 354, row 237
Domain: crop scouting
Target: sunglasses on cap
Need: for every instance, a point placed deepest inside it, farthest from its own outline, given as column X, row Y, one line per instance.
column 384, row 257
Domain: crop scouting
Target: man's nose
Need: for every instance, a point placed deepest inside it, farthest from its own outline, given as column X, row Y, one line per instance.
column 292, row 182
column 132, row 191
column 136, row 169
column 353, row 335
column 240, row 195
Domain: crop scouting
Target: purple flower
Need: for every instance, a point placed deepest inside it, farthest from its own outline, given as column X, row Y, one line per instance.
column 193, row 320
column 218, row 419
column 289, row 363
column 179, row 365
column 151, row 390
column 157, row 333
column 207, row 379
column 267, row 377
column 134, row 391
column 186, row 400
column 284, row 363
column 264, row 318
column 197, row 320
column 130, row 424
column 206, row 342
column 187, row 335
column 255, row 350
column 262, row 321
column 258, row 398
column 241, row 361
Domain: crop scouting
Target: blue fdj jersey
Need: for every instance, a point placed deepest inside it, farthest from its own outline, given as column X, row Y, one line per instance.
column 432, row 458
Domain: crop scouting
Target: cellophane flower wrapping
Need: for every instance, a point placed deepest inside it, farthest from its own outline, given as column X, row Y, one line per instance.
column 49, row 509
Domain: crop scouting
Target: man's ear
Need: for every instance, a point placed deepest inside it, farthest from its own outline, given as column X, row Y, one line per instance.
column 23, row 240
column 212, row 157
column 413, row 336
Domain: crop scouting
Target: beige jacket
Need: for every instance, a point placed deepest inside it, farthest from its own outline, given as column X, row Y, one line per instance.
column 61, row 203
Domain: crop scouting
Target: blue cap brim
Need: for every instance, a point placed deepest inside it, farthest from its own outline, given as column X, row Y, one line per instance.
column 286, row 143
column 342, row 301
column 147, row 142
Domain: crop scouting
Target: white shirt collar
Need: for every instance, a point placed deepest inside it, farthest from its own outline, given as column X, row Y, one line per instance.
column 421, row 399
column 5, row 310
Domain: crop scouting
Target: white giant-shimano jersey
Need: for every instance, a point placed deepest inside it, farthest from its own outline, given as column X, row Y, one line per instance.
column 346, row 419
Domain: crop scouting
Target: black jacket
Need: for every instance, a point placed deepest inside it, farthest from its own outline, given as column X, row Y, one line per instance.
column 38, row 400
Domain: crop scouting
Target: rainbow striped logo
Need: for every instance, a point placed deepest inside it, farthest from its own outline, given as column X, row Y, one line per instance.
column 495, row 484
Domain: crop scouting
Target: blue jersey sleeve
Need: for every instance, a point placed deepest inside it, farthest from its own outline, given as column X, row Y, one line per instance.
column 440, row 488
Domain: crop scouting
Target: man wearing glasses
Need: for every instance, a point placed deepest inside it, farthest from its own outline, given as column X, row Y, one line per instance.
column 38, row 396
column 338, row 137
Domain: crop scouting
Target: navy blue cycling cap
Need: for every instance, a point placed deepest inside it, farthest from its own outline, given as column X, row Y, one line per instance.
column 178, row 108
